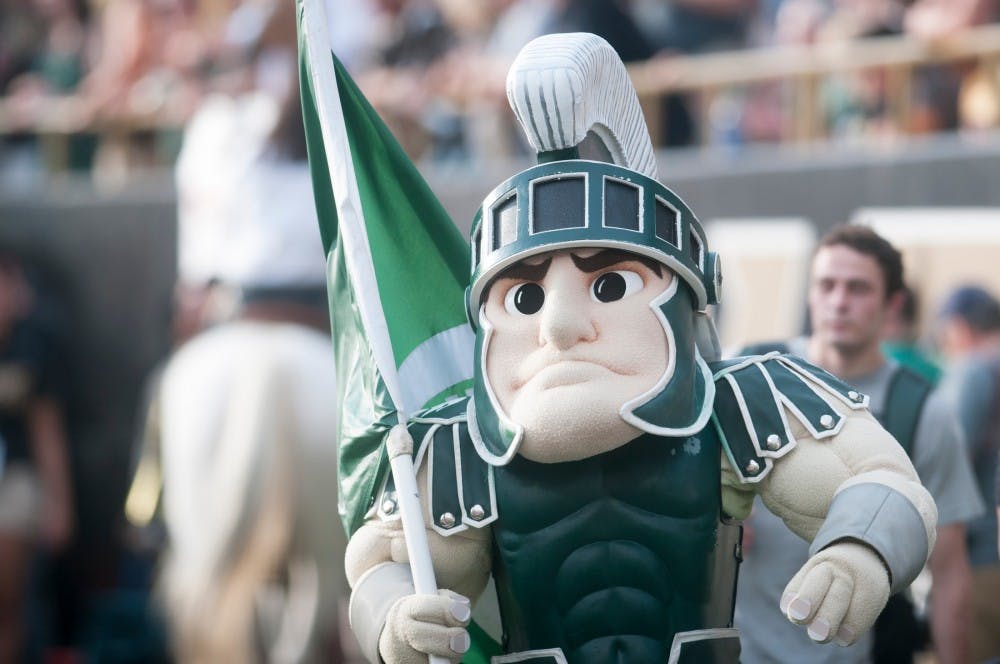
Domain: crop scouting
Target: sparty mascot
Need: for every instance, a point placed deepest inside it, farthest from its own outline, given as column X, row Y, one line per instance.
column 600, row 466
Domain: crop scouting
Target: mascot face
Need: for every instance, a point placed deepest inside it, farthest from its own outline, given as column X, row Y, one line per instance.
column 574, row 337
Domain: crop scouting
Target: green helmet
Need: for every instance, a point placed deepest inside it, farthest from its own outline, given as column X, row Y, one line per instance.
column 577, row 203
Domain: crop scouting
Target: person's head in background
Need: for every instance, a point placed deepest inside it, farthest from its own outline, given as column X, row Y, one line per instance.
column 855, row 285
column 903, row 341
column 901, row 326
column 968, row 322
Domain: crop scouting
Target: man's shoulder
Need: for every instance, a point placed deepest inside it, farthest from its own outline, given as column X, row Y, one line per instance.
column 758, row 397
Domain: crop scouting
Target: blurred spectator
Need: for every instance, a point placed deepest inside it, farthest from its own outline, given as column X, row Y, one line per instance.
column 865, row 103
column 471, row 76
column 933, row 19
column 21, row 30
column 145, row 79
column 53, row 66
column 409, row 39
column 901, row 337
column 690, row 27
column 766, row 109
column 695, row 26
column 58, row 62
column 969, row 334
column 435, row 69
column 951, row 96
column 35, row 494
column 148, row 52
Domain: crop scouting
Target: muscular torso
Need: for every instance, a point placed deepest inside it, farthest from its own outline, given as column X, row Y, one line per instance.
column 610, row 556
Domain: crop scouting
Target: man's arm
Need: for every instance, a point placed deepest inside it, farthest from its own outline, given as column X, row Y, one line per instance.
column 950, row 608
column 48, row 442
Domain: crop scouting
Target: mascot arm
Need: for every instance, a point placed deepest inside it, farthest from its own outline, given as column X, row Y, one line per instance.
column 392, row 623
column 806, row 443
column 857, row 498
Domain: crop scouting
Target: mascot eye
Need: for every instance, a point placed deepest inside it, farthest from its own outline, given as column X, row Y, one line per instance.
column 616, row 285
column 524, row 299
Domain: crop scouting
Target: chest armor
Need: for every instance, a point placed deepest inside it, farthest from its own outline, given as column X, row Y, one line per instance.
column 636, row 529
column 623, row 557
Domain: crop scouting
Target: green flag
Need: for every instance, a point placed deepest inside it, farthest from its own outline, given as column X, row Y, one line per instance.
column 397, row 268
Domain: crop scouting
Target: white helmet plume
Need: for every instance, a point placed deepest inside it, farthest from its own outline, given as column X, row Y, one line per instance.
column 571, row 90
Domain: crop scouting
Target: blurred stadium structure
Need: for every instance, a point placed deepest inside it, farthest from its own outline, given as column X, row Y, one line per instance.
column 797, row 76
column 943, row 247
column 755, row 263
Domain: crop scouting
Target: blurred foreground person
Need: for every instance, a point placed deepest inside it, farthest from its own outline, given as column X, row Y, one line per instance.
column 248, row 450
column 855, row 283
column 969, row 330
column 35, row 494
column 254, row 567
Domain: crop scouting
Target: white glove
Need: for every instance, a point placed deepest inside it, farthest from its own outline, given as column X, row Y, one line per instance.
column 422, row 625
column 839, row 593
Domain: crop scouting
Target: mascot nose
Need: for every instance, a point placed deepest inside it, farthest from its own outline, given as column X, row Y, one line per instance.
column 565, row 322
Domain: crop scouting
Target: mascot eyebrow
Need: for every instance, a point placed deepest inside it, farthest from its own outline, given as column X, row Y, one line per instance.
column 599, row 261
column 610, row 257
column 520, row 270
column 605, row 258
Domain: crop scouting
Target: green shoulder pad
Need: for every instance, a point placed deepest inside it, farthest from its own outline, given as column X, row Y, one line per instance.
column 460, row 485
column 752, row 396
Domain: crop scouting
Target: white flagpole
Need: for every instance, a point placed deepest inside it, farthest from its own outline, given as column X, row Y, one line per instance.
column 357, row 252
column 399, row 446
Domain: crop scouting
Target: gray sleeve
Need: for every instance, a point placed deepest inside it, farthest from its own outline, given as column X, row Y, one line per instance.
column 940, row 457
column 885, row 520
column 973, row 401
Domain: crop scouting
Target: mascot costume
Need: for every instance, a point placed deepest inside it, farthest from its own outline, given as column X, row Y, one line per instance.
column 598, row 462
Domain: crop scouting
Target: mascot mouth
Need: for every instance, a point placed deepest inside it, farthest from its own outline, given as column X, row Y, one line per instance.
column 564, row 372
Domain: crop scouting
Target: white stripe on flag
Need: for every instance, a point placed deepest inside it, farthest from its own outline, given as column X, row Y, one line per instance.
column 345, row 189
column 435, row 365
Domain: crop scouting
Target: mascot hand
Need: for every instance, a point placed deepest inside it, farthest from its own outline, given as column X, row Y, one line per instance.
column 838, row 593
column 421, row 625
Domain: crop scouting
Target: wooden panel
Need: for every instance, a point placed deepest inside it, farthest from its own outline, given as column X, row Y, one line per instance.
column 764, row 267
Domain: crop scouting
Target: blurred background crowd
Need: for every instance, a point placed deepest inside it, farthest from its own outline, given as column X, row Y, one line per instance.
column 155, row 204
column 107, row 85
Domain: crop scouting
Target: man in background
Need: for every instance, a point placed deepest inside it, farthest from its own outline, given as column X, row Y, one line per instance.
column 855, row 284
column 969, row 338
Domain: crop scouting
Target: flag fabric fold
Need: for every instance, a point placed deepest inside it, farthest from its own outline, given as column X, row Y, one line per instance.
column 397, row 268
